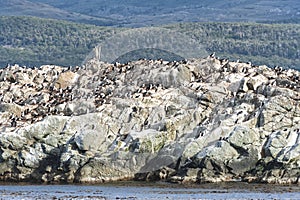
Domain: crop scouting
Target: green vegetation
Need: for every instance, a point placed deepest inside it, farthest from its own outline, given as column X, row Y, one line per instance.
column 33, row 41
column 140, row 13
column 270, row 44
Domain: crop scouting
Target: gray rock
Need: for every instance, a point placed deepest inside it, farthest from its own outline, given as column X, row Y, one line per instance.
column 192, row 121
column 242, row 137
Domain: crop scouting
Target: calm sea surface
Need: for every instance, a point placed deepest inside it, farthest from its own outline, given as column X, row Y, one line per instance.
column 134, row 190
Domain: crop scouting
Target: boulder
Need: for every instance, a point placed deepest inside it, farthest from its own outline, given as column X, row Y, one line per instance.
column 255, row 81
column 66, row 79
column 242, row 137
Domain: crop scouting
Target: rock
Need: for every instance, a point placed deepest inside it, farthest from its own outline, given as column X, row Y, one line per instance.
column 244, row 163
column 30, row 159
column 11, row 108
column 52, row 125
column 254, row 82
column 242, row 137
column 89, row 140
column 68, row 109
column 38, row 79
column 66, row 79
column 13, row 141
column 238, row 86
column 192, row 121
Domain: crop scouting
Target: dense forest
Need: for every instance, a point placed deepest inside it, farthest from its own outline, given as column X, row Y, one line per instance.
column 271, row 44
column 141, row 13
column 34, row 41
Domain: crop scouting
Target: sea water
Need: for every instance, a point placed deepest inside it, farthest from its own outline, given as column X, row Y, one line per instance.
column 160, row 191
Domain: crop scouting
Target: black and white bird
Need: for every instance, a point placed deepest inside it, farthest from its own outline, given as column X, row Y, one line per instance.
column 212, row 55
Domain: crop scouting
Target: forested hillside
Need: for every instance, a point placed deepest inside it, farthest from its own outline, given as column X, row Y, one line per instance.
column 140, row 13
column 44, row 10
column 33, row 41
column 271, row 44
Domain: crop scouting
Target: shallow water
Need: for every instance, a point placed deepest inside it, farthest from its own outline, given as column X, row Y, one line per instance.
column 134, row 190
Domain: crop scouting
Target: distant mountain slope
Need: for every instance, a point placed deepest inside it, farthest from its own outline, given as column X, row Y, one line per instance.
column 40, row 9
column 154, row 12
column 34, row 41
column 270, row 44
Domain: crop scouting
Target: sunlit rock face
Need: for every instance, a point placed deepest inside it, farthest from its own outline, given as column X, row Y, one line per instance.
column 198, row 120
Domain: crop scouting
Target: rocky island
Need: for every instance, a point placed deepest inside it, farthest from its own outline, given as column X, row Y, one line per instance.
column 193, row 121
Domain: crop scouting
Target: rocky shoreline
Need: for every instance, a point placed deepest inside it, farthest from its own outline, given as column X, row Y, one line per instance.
column 194, row 121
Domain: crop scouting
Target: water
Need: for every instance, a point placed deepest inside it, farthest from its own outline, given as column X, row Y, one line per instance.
column 150, row 191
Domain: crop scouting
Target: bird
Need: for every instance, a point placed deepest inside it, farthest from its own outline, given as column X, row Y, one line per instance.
column 13, row 122
column 212, row 55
